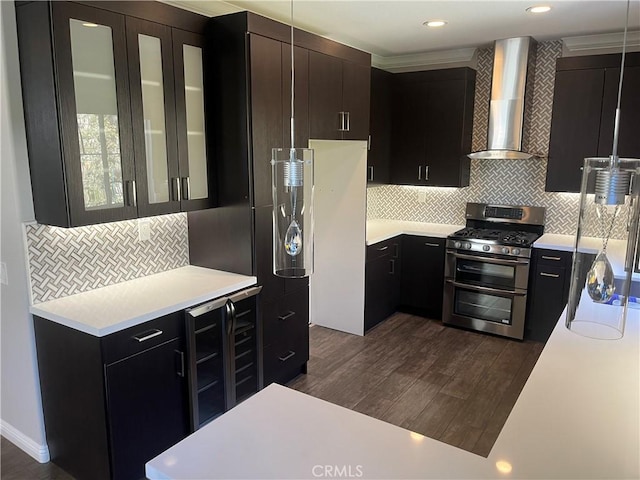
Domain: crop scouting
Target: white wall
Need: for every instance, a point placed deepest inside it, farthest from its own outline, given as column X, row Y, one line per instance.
column 20, row 404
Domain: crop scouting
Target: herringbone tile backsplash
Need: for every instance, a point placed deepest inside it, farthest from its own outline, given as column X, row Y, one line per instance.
column 507, row 182
column 65, row 261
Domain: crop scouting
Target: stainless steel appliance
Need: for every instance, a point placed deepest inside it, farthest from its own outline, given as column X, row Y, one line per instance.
column 487, row 268
column 224, row 358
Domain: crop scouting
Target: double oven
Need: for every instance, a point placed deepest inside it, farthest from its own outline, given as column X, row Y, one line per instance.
column 487, row 269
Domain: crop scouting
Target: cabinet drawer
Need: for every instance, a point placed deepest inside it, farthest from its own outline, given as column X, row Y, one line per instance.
column 136, row 339
column 282, row 318
column 386, row 247
column 556, row 258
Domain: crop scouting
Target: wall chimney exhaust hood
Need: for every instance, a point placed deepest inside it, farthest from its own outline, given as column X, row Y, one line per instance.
column 512, row 81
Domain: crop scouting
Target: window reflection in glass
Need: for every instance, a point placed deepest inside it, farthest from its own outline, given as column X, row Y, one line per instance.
column 194, row 99
column 97, row 114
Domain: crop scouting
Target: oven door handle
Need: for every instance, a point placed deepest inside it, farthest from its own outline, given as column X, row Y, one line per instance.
column 487, row 289
column 497, row 261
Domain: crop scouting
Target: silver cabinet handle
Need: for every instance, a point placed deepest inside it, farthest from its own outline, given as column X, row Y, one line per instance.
column 426, row 172
column 186, row 188
column 343, row 122
column 382, row 249
column 431, row 244
column 552, row 275
column 420, row 172
column 130, row 192
column 144, row 336
column 369, row 143
column 287, row 316
column 392, row 267
column 370, row 176
column 180, row 371
column 287, row 357
column 545, row 257
column 348, row 124
column 175, row 185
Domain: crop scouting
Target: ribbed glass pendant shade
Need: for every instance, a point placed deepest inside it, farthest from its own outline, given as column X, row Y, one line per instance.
column 292, row 189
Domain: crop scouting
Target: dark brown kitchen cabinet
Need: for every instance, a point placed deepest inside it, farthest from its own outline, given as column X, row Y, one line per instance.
column 379, row 127
column 382, row 281
column 100, row 101
column 112, row 403
column 422, row 275
column 286, row 337
column 584, row 102
column 338, row 98
column 431, row 130
column 549, row 282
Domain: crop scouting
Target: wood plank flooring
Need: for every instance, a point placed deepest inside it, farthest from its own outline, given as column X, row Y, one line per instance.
column 452, row 385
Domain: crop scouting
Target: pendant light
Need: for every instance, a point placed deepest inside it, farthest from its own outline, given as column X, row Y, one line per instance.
column 292, row 190
column 600, row 309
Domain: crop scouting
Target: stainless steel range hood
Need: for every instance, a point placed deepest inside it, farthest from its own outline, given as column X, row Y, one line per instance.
column 511, row 98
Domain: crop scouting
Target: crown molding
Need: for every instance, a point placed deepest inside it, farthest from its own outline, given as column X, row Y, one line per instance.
column 417, row 61
column 601, row 41
column 206, row 8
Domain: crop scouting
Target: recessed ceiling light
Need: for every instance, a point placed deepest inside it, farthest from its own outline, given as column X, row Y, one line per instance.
column 539, row 9
column 89, row 24
column 435, row 23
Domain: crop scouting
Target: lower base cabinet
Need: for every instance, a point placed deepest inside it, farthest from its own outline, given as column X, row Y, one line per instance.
column 549, row 282
column 423, row 275
column 112, row 403
column 382, row 281
column 286, row 336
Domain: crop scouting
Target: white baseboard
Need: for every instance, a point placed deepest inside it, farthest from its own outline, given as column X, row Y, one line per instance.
column 24, row 443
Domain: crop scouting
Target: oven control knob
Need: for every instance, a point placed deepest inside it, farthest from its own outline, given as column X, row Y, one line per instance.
column 516, row 251
column 505, row 250
column 486, row 248
column 457, row 244
column 467, row 245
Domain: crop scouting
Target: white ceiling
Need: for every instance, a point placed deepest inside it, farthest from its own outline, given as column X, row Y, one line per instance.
column 392, row 28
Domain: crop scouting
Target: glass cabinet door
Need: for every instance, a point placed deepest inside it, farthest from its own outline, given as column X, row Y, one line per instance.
column 153, row 111
column 96, row 117
column 191, row 124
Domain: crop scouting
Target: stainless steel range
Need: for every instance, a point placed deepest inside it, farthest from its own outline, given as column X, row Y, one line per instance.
column 487, row 268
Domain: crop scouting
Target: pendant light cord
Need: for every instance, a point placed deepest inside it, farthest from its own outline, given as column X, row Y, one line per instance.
column 293, row 78
column 614, row 153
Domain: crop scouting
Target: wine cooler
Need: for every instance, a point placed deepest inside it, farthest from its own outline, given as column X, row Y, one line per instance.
column 225, row 362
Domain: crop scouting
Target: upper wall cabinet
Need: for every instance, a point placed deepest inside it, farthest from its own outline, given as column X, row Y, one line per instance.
column 432, row 114
column 338, row 98
column 380, row 130
column 114, row 114
column 584, row 103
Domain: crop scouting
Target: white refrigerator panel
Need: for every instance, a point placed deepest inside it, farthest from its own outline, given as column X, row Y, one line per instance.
column 340, row 213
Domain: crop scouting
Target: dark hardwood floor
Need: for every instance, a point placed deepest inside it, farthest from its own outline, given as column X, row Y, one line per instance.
column 17, row 465
column 449, row 384
column 452, row 385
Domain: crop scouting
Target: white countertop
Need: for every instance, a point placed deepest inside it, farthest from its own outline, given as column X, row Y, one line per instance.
column 109, row 309
column 383, row 229
column 616, row 249
column 578, row 417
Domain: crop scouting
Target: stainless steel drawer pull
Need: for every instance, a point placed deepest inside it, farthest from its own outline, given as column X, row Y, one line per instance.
column 431, row 244
column 370, row 176
column 552, row 275
column 144, row 336
column 382, row 249
column 287, row 357
column 551, row 258
column 287, row 316
column 420, row 172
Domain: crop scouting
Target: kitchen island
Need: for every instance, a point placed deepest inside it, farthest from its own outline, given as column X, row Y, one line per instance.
column 577, row 417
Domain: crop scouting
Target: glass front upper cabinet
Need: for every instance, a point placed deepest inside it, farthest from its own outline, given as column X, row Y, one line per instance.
column 96, row 118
